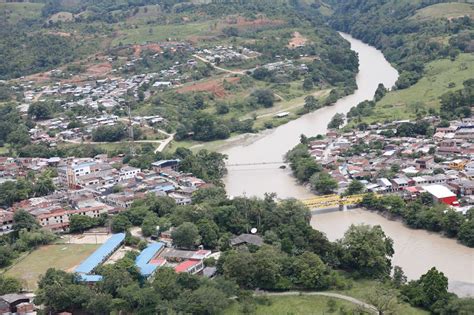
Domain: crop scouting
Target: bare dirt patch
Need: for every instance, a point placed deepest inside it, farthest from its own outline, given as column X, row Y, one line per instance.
column 98, row 238
column 138, row 49
column 61, row 34
column 215, row 87
column 297, row 40
column 98, row 70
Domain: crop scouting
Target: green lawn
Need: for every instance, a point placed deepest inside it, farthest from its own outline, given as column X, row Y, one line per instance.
column 425, row 93
column 362, row 289
column 286, row 305
column 445, row 10
column 64, row 257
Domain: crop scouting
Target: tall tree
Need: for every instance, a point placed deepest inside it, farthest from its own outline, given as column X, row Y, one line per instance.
column 367, row 251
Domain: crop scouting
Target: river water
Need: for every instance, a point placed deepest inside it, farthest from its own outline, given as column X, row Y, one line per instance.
column 415, row 251
column 272, row 145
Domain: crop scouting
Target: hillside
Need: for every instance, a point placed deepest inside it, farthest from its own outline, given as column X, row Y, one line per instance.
column 410, row 33
column 207, row 70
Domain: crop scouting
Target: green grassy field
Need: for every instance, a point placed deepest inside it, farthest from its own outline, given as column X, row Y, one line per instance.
column 16, row 11
column 65, row 257
column 402, row 104
column 445, row 10
column 285, row 305
column 362, row 289
column 145, row 33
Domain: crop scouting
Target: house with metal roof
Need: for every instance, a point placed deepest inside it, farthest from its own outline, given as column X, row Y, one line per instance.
column 87, row 267
column 144, row 261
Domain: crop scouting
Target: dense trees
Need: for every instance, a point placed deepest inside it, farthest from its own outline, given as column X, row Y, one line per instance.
column 310, row 103
column 25, row 53
column 323, row 183
column 81, row 223
column 23, row 220
column 113, row 133
column 458, row 104
column 355, row 187
column 40, row 110
column 263, row 97
column 186, row 235
column 405, row 41
column 429, row 290
column 336, row 121
column 423, row 214
column 269, row 268
column 207, row 165
column 11, row 192
column 367, row 251
column 9, row 285
column 302, row 163
column 121, row 291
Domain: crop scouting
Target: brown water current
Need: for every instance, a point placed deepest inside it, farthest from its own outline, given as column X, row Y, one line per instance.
column 415, row 251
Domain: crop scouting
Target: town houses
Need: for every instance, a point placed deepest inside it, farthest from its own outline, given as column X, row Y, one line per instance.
column 93, row 187
column 442, row 164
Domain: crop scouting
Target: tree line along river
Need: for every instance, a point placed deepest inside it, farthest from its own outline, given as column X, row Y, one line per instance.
column 415, row 251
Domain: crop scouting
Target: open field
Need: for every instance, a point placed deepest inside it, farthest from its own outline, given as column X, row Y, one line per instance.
column 151, row 33
column 61, row 256
column 445, row 10
column 362, row 289
column 285, row 305
column 425, row 93
column 16, row 11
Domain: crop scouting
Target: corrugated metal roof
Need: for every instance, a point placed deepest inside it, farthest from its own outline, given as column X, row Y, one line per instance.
column 184, row 266
column 142, row 261
column 98, row 257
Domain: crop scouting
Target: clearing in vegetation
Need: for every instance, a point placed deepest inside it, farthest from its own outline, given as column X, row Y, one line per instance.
column 63, row 256
column 284, row 305
column 215, row 86
column 445, row 10
column 440, row 77
column 13, row 12
column 297, row 40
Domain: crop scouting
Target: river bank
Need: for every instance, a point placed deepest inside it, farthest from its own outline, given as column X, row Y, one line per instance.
column 416, row 251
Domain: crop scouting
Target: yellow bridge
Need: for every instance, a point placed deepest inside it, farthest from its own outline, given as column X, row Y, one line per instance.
column 331, row 201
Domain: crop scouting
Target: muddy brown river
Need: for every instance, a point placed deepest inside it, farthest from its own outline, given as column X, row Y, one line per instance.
column 415, row 251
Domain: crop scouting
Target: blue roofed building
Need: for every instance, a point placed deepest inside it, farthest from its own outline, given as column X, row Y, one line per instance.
column 146, row 262
column 87, row 267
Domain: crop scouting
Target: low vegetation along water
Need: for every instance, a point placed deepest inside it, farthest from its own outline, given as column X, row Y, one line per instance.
column 415, row 251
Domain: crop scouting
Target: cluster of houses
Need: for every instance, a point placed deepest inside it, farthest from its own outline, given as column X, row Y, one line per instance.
column 405, row 165
column 175, row 75
column 96, row 186
column 286, row 66
column 56, row 130
column 223, row 54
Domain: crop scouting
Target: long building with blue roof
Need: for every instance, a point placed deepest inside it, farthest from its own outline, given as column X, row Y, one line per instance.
column 86, row 268
column 142, row 261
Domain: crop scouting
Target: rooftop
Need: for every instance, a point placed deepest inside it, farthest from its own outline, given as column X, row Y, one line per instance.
column 439, row 191
column 143, row 260
column 98, row 257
